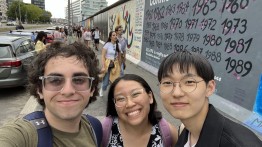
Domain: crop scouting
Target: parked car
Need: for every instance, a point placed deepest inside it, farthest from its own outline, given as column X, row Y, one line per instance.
column 30, row 34
column 11, row 23
column 33, row 34
column 16, row 54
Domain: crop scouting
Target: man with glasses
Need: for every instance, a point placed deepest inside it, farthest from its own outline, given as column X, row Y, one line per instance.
column 64, row 80
column 122, row 40
column 186, row 80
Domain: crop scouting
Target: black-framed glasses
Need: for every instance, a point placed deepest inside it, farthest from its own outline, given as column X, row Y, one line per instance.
column 135, row 96
column 187, row 84
column 56, row 83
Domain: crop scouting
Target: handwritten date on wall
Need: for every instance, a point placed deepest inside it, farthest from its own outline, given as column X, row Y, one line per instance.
column 191, row 25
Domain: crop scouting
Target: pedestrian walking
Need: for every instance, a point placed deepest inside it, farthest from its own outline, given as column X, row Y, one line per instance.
column 96, row 37
column 110, row 61
column 64, row 93
column 123, row 41
column 186, row 81
column 132, row 112
column 87, row 37
column 57, row 34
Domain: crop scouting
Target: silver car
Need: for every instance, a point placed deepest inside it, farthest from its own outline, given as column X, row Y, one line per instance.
column 16, row 54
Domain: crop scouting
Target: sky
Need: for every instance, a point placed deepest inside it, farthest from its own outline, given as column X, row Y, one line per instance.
column 57, row 7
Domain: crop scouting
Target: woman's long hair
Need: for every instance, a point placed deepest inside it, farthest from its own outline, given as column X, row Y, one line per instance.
column 40, row 36
column 109, row 40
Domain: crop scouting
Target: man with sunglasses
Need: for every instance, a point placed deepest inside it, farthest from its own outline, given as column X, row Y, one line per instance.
column 64, row 80
column 186, row 80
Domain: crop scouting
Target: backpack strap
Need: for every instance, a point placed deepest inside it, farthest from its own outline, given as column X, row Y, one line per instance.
column 45, row 137
column 97, row 128
column 107, row 125
column 166, row 133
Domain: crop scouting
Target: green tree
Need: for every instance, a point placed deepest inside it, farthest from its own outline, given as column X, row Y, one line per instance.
column 29, row 12
column 13, row 10
column 33, row 13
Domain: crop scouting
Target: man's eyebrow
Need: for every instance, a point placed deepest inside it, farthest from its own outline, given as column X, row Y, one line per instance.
column 190, row 75
column 80, row 74
column 55, row 74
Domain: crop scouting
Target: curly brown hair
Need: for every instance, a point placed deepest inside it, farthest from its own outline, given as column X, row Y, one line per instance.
column 77, row 49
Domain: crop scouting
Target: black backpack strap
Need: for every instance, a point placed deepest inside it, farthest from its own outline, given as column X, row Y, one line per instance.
column 97, row 126
column 45, row 137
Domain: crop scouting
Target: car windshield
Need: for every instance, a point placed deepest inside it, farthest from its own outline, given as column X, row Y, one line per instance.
column 5, row 51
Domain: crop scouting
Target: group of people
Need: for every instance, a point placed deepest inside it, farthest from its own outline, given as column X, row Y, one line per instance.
column 91, row 35
column 60, row 34
column 186, row 81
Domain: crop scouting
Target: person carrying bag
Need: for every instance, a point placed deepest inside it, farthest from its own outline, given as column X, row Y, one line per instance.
column 110, row 61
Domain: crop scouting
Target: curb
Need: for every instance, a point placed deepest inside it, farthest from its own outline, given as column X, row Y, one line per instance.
column 30, row 106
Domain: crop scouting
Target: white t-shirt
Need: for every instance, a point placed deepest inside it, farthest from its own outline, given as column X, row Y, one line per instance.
column 111, row 50
column 87, row 35
column 97, row 34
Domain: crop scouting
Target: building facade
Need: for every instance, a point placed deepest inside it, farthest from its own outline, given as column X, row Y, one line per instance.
column 39, row 3
column 90, row 7
column 3, row 10
column 82, row 9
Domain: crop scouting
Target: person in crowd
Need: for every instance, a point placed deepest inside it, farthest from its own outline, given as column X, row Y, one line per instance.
column 110, row 61
column 63, row 35
column 87, row 37
column 19, row 26
column 186, row 81
column 40, row 41
column 66, row 30
column 135, row 119
column 57, row 34
column 75, row 30
column 79, row 32
column 96, row 37
column 123, row 41
column 93, row 36
column 33, row 36
column 64, row 93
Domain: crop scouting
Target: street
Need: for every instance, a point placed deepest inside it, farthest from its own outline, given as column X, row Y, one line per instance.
column 12, row 101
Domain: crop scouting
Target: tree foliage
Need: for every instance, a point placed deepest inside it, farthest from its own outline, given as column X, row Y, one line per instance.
column 29, row 12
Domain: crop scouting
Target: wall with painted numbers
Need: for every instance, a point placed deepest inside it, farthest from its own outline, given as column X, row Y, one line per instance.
column 226, row 32
column 130, row 16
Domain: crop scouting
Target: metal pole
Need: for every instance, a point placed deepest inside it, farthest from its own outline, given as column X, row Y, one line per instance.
column 19, row 13
column 68, row 17
column 72, row 13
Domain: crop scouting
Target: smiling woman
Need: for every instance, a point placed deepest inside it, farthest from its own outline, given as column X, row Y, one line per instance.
column 131, row 112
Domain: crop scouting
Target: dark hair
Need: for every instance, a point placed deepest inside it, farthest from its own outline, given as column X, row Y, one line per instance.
column 109, row 40
column 154, row 115
column 117, row 28
column 186, row 60
column 79, row 50
column 40, row 36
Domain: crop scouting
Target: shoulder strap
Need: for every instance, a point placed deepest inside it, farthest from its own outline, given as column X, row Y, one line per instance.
column 166, row 133
column 180, row 129
column 97, row 128
column 45, row 137
column 107, row 125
